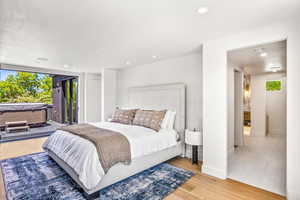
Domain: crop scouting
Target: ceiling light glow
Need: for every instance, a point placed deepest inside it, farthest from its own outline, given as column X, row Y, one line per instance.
column 263, row 54
column 273, row 68
column 203, row 10
column 42, row 59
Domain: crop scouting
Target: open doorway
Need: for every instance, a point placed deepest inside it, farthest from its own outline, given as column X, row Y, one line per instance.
column 65, row 99
column 35, row 104
column 257, row 113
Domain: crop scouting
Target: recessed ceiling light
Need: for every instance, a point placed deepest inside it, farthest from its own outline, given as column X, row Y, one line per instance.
column 263, row 54
column 154, row 57
column 273, row 68
column 42, row 59
column 203, row 10
column 128, row 63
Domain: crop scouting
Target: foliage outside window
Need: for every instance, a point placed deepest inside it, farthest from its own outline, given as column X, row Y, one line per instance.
column 274, row 85
column 25, row 87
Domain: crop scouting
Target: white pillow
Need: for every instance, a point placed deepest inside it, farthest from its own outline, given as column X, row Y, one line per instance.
column 164, row 123
column 169, row 120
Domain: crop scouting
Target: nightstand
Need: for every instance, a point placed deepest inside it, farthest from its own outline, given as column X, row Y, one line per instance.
column 194, row 138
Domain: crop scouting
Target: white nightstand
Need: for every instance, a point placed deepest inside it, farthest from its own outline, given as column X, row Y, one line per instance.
column 194, row 138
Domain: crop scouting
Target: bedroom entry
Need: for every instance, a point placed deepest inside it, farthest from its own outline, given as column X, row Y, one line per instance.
column 257, row 116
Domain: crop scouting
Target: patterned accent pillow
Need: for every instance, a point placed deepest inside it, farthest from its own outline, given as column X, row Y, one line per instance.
column 149, row 118
column 123, row 116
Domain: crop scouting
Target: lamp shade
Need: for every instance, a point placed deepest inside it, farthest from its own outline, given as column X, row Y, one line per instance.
column 193, row 137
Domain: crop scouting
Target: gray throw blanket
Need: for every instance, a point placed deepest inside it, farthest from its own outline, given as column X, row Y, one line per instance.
column 112, row 147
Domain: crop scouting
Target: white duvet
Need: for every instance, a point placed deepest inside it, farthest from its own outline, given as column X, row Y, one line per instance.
column 82, row 156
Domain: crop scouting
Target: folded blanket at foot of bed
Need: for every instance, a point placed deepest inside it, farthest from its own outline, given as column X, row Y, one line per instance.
column 112, row 147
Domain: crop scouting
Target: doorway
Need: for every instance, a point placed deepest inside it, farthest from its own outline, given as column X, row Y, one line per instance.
column 259, row 159
column 35, row 104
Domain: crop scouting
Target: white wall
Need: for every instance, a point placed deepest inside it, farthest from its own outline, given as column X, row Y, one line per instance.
column 81, row 98
column 268, row 103
column 276, row 105
column 215, row 115
column 293, row 108
column 258, row 105
column 186, row 69
column 215, row 103
column 232, row 123
column 92, row 97
column 108, row 93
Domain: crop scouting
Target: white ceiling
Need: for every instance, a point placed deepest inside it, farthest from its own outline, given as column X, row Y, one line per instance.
column 91, row 34
column 253, row 63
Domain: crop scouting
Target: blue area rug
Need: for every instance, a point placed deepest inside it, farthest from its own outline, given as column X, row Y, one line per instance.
column 38, row 177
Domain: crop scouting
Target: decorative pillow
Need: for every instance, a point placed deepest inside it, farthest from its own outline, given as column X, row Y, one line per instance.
column 149, row 118
column 123, row 116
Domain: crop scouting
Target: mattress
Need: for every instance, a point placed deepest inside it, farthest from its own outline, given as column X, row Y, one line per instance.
column 81, row 155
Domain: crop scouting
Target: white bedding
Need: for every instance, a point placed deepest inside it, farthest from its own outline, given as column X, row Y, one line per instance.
column 82, row 156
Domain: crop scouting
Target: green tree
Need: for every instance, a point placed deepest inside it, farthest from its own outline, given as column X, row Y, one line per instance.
column 24, row 87
column 9, row 90
column 29, row 82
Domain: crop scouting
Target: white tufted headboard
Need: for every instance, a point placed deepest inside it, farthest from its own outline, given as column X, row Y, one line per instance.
column 159, row 97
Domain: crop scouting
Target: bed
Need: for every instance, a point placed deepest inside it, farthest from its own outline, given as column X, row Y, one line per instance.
column 148, row 148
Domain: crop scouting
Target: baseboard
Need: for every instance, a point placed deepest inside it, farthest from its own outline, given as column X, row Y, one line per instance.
column 222, row 174
column 293, row 194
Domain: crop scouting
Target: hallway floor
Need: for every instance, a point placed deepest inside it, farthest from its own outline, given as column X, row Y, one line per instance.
column 261, row 163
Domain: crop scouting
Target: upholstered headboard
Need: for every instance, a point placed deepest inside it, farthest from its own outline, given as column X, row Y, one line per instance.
column 159, row 97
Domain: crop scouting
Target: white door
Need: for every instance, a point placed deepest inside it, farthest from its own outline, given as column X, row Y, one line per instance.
column 238, row 109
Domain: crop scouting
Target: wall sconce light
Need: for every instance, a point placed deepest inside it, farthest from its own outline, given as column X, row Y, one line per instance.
column 247, row 91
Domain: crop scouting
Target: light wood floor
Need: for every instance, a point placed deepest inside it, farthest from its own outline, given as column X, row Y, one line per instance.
column 199, row 187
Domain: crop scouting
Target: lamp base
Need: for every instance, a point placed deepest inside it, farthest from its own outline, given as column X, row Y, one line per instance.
column 195, row 155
